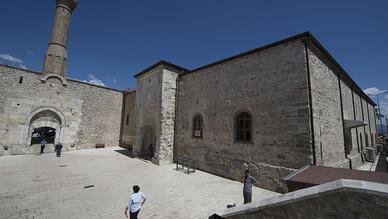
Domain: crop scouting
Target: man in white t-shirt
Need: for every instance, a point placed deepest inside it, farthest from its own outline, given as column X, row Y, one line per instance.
column 135, row 202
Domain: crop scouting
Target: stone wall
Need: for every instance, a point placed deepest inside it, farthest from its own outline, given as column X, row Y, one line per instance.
column 326, row 105
column 367, row 136
column 167, row 117
column 360, row 133
column 271, row 85
column 326, row 82
column 87, row 114
column 337, row 199
column 147, row 111
column 349, row 114
column 128, row 131
column 155, row 112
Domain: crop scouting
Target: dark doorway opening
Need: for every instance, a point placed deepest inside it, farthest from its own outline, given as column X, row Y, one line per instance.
column 41, row 133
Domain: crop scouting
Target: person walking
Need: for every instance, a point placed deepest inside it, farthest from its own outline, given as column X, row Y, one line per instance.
column 58, row 149
column 42, row 145
column 248, row 181
column 135, row 203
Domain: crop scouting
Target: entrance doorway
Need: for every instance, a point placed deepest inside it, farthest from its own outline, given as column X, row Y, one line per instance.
column 149, row 138
column 43, row 133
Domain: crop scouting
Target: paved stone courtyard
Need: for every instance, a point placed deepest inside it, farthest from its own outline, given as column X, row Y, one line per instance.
column 43, row 186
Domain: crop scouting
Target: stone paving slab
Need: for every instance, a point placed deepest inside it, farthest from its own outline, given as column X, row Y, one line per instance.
column 44, row 186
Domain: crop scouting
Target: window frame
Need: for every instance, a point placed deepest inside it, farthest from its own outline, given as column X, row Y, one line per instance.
column 198, row 115
column 235, row 127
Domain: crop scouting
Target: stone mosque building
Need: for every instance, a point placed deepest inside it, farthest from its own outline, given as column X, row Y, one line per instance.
column 276, row 108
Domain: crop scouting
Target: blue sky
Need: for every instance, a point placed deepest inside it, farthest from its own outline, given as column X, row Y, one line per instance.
column 110, row 41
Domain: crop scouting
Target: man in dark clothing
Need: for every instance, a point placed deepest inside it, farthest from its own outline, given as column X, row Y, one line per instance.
column 42, row 145
column 151, row 150
column 248, row 181
column 58, row 149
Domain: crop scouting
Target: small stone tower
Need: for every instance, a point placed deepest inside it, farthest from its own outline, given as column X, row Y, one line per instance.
column 56, row 56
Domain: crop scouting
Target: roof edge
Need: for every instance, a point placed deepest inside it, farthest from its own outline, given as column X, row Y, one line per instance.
column 305, row 35
column 22, row 69
column 249, row 52
column 161, row 63
column 129, row 92
column 67, row 78
column 342, row 70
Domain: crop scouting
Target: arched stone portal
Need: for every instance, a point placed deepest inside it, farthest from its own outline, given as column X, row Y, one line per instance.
column 43, row 119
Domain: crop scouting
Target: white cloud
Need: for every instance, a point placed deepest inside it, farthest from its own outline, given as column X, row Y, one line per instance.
column 94, row 80
column 13, row 60
column 114, row 80
column 10, row 58
column 373, row 91
column 22, row 66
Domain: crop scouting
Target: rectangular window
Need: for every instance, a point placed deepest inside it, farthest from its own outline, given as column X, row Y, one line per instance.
column 243, row 127
column 197, row 129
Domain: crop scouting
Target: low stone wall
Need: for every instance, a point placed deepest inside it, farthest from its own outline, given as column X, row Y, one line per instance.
column 338, row 199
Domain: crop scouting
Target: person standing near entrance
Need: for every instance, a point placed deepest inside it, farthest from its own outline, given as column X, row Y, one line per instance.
column 58, row 149
column 42, row 145
column 248, row 181
column 135, row 203
column 151, row 150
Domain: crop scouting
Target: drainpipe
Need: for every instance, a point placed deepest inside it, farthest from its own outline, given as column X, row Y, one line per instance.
column 343, row 122
column 310, row 101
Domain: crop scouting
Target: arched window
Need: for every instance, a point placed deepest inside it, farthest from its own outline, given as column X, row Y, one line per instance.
column 197, row 126
column 243, row 127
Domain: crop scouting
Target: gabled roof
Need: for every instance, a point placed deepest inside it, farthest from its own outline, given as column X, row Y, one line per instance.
column 166, row 65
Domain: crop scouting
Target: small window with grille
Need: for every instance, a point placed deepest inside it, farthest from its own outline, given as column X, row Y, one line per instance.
column 197, row 126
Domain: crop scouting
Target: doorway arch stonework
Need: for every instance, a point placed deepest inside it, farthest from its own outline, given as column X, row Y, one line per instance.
column 43, row 117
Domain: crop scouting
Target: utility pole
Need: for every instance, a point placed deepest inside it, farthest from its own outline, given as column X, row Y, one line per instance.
column 386, row 123
column 379, row 111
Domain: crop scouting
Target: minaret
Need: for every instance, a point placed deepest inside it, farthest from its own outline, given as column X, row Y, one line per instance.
column 56, row 56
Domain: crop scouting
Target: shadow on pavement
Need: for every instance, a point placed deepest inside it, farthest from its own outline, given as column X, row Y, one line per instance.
column 381, row 163
column 128, row 153
column 125, row 152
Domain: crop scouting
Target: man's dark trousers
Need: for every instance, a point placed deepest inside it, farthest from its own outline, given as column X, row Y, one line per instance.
column 133, row 215
column 42, row 148
column 58, row 149
column 247, row 197
column 59, row 152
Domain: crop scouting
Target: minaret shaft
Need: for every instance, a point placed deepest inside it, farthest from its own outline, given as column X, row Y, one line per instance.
column 56, row 56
